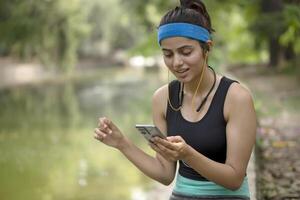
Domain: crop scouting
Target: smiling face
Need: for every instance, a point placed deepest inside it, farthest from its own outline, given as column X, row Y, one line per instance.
column 184, row 57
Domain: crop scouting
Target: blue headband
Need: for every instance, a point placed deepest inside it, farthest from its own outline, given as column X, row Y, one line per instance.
column 183, row 30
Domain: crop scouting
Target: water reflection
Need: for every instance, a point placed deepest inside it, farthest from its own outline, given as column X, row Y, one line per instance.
column 46, row 145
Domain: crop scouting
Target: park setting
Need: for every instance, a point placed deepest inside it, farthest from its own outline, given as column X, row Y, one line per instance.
column 64, row 64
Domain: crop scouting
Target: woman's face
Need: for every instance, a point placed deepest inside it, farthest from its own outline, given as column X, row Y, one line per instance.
column 184, row 57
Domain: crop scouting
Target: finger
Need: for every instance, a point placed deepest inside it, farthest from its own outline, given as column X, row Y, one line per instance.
column 106, row 125
column 106, row 120
column 175, row 139
column 97, row 137
column 158, row 151
column 164, row 155
column 154, row 147
column 102, row 122
column 105, row 130
column 101, row 125
column 97, row 130
column 166, row 150
column 100, row 133
column 110, row 124
column 165, row 143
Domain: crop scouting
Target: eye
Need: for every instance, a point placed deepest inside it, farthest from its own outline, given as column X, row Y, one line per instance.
column 167, row 55
column 186, row 52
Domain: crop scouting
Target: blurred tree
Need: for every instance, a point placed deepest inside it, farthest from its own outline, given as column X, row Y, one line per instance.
column 227, row 19
column 291, row 36
column 113, row 27
column 52, row 29
column 49, row 30
column 260, row 25
column 149, row 12
column 276, row 23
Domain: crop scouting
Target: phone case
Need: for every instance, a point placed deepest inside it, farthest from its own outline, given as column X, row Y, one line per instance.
column 149, row 131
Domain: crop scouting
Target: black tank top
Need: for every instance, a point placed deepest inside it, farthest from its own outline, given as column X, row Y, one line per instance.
column 207, row 136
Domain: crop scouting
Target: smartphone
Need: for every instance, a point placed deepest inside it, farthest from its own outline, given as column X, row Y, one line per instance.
column 149, row 131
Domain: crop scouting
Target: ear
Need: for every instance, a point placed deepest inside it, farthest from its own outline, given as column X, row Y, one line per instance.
column 209, row 44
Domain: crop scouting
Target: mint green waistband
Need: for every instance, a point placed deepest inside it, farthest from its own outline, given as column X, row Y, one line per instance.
column 188, row 186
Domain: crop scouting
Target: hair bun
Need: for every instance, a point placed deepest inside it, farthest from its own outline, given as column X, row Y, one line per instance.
column 184, row 3
column 196, row 5
column 199, row 7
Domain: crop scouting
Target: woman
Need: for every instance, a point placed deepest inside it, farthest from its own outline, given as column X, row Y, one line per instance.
column 209, row 119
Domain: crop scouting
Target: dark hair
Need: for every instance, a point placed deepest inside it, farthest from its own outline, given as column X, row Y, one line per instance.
column 190, row 11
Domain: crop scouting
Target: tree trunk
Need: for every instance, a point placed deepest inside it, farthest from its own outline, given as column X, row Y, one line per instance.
column 289, row 53
column 275, row 49
column 274, row 52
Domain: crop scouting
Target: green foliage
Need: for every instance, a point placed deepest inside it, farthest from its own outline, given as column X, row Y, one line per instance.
column 149, row 12
column 49, row 30
column 228, row 19
column 113, row 27
column 272, row 24
column 292, row 33
column 55, row 30
column 148, row 47
column 234, row 43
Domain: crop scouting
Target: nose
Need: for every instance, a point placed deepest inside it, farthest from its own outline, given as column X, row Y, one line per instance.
column 177, row 61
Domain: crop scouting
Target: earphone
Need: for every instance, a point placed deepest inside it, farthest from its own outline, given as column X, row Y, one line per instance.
column 181, row 93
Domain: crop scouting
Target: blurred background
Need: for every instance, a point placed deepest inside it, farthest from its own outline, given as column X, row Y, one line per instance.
column 63, row 64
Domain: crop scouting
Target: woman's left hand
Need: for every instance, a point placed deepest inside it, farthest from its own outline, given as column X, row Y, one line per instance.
column 172, row 149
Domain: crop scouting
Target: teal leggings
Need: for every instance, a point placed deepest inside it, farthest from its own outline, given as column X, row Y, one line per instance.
column 176, row 196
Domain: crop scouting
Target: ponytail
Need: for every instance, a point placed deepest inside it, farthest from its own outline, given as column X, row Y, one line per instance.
column 190, row 11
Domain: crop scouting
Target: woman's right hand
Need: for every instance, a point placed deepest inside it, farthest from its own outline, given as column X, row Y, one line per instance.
column 109, row 134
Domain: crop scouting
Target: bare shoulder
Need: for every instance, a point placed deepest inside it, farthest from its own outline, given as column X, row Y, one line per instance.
column 238, row 93
column 160, row 99
column 161, row 93
column 238, row 98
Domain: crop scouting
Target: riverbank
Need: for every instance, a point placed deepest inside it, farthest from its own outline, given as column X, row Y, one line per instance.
column 14, row 73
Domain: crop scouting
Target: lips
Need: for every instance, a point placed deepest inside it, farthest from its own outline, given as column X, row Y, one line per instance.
column 182, row 71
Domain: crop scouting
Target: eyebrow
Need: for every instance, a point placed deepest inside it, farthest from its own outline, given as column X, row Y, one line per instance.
column 180, row 48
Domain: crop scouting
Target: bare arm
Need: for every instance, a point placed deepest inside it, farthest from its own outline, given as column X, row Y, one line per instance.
column 153, row 167
column 159, row 107
column 157, row 167
column 241, row 130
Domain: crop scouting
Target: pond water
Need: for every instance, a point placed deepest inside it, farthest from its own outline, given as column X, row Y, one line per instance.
column 47, row 149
